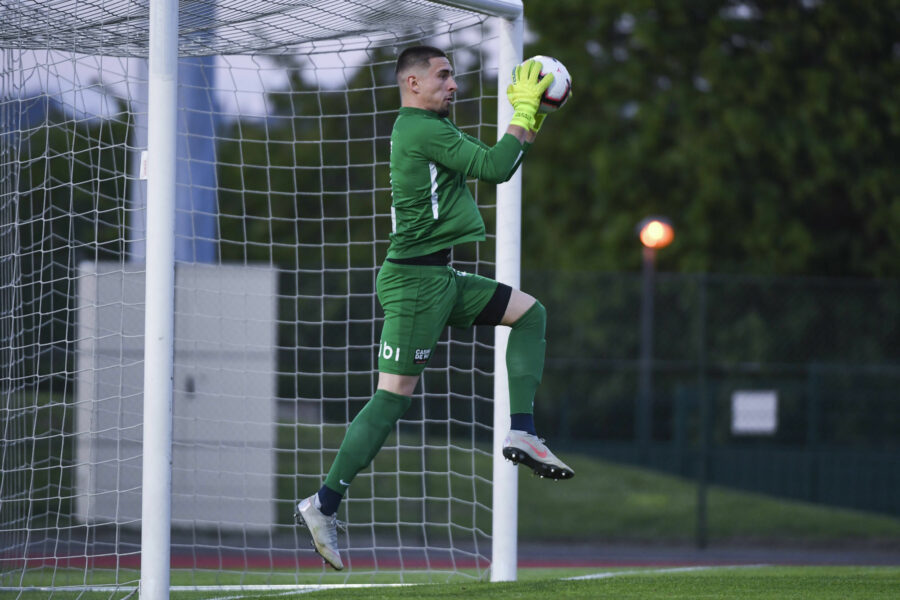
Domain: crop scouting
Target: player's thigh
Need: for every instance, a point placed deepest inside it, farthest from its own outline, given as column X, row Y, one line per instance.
column 405, row 385
column 519, row 303
column 417, row 302
column 473, row 293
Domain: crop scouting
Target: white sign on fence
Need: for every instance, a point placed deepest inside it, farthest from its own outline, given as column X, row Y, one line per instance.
column 754, row 412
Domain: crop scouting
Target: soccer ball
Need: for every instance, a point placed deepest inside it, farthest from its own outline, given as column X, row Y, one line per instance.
column 561, row 88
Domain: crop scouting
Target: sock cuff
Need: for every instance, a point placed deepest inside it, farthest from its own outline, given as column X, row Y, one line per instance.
column 401, row 401
column 386, row 394
column 536, row 315
column 522, row 422
column 327, row 500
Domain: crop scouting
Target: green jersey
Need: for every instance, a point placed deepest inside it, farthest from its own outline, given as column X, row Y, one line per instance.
column 431, row 158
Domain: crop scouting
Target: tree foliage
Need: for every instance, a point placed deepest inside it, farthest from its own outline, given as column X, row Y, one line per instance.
column 766, row 131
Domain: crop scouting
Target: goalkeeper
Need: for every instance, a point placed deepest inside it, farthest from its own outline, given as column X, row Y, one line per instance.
column 421, row 294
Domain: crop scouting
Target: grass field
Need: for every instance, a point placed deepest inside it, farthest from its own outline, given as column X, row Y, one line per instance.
column 605, row 502
column 708, row 583
column 608, row 501
column 783, row 583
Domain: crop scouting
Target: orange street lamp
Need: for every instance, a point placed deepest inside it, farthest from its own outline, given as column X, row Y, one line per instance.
column 655, row 233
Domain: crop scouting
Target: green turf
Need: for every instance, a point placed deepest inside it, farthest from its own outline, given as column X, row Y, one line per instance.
column 606, row 501
column 718, row 583
column 775, row 583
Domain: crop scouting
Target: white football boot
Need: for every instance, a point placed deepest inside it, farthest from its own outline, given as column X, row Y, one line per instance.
column 528, row 449
column 323, row 529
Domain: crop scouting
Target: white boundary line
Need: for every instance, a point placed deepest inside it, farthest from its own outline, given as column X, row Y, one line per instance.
column 287, row 589
column 612, row 574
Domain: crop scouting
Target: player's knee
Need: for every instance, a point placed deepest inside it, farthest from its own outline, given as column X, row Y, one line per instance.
column 541, row 311
column 535, row 316
column 404, row 385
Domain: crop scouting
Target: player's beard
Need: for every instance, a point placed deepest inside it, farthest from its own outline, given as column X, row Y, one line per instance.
column 444, row 110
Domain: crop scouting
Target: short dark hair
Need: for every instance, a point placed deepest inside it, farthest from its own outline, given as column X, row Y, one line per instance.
column 417, row 55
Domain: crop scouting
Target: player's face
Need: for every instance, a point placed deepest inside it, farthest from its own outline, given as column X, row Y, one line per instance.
column 437, row 86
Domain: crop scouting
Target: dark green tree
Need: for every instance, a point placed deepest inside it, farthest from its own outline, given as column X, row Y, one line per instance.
column 767, row 132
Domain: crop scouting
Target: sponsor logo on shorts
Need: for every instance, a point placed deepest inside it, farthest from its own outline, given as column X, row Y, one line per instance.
column 421, row 356
column 388, row 352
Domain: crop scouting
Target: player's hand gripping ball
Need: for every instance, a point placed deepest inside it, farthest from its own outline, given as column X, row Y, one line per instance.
column 560, row 90
column 525, row 93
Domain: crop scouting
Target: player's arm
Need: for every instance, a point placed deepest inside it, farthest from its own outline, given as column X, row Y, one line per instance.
column 497, row 163
column 525, row 136
column 526, row 145
column 528, row 139
column 524, row 94
column 520, row 133
column 460, row 152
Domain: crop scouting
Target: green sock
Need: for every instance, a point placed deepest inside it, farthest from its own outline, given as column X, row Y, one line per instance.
column 365, row 437
column 525, row 358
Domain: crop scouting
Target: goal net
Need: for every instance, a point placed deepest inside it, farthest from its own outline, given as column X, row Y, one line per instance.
column 282, row 219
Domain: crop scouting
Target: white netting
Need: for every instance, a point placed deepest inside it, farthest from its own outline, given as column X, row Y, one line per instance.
column 121, row 27
column 283, row 217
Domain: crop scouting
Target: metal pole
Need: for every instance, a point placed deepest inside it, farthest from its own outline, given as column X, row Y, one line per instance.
column 504, row 556
column 813, row 392
column 156, row 494
column 705, row 423
column 644, row 412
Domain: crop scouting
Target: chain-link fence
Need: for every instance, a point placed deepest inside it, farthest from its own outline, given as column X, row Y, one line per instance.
column 786, row 386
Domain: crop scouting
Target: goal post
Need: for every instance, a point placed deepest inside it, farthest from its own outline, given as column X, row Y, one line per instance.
column 508, row 257
column 162, row 414
column 159, row 303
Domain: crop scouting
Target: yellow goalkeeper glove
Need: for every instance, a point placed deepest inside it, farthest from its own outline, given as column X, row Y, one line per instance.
column 525, row 93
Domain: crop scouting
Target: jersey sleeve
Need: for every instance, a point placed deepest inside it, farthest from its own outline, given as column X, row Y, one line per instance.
column 525, row 147
column 460, row 152
column 475, row 140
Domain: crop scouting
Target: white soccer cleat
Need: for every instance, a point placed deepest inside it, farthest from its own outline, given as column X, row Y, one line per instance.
column 322, row 528
column 528, row 449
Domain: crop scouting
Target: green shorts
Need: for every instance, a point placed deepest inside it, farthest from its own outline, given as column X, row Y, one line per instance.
column 419, row 302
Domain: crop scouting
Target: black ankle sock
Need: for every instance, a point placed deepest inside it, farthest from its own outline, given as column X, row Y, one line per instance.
column 330, row 500
column 522, row 422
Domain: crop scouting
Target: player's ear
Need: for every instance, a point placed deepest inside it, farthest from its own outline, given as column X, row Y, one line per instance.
column 412, row 81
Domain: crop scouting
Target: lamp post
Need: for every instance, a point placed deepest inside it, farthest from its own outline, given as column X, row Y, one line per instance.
column 654, row 233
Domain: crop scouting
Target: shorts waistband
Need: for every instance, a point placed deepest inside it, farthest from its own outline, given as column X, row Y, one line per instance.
column 439, row 259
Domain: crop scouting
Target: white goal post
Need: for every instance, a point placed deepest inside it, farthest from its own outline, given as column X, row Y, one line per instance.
column 193, row 206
